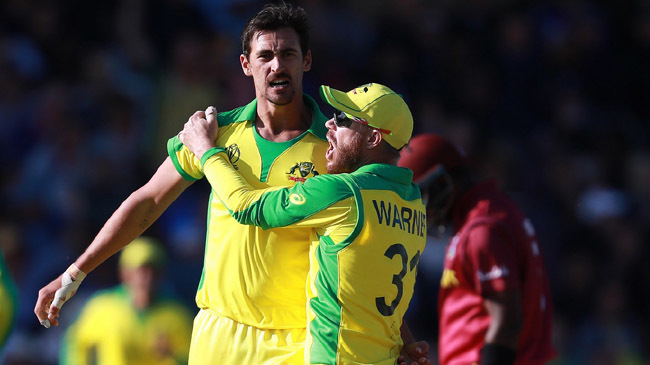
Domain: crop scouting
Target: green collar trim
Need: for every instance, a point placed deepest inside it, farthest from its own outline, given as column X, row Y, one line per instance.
column 394, row 173
column 317, row 128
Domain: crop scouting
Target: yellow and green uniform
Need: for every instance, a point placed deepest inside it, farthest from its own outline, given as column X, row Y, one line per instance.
column 367, row 230
column 251, row 276
column 8, row 303
column 111, row 331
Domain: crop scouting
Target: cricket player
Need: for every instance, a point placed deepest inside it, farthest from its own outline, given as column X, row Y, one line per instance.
column 251, row 295
column 494, row 303
column 366, row 221
column 136, row 322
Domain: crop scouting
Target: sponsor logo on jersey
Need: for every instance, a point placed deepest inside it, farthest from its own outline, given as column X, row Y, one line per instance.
column 495, row 272
column 297, row 199
column 233, row 154
column 449, row 279
column 301, row 171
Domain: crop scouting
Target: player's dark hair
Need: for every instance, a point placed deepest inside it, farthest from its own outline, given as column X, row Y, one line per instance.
column 273, row 17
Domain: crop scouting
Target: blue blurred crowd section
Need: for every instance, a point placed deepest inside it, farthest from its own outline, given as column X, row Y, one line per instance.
column 550, row 97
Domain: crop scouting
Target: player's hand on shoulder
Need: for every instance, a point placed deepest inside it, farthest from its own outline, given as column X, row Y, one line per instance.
column 200, row 131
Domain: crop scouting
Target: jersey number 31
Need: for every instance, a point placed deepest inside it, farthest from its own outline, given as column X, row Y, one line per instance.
column 397, row 249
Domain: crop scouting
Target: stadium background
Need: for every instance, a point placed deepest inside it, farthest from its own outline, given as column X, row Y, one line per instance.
column 550, row 97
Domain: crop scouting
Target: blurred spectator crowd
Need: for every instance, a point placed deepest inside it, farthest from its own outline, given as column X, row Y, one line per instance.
column 550, row 97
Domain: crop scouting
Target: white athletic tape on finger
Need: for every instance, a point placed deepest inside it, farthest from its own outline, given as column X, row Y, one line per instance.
column 69, row 287
column 45, row 323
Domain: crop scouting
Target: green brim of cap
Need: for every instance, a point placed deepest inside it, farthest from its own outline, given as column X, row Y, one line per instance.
column 340, row 101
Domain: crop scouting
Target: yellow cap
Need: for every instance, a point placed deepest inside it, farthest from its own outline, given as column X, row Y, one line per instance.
column 142, row 251
column 376, row 105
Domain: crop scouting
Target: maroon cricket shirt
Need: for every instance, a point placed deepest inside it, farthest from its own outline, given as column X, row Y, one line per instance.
column 494, row 249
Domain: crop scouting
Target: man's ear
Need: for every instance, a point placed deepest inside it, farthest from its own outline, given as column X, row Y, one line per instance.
column 245, row 65
column 307, row 61
column 374, row 139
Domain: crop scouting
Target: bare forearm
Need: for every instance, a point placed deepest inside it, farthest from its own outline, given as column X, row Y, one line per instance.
column 505, row 319
column 128, row 222
column 503, row 334
column 407, row 336
column 137, row 213
column 505, row 325
column 413, row 352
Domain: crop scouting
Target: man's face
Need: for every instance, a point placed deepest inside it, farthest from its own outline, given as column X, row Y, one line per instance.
column 347, row 145
column 276, row 64
column 140, row 279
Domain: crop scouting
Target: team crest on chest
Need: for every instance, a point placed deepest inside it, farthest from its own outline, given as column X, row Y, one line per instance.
column 233, row 154
column 301, row 171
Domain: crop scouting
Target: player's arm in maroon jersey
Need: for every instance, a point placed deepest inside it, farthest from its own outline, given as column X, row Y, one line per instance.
column 506, row 322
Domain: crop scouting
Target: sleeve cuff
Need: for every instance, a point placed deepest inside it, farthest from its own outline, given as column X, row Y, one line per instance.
column 209, row 153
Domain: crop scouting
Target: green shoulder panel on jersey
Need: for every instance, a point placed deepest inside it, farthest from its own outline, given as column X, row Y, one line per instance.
column 249, row 112
column 240, row 114
column 396, row 179
column 174, row 147
column 325, row 329
column 179, row 155
column 205, row 245
column 332, row 247
column 283, row 207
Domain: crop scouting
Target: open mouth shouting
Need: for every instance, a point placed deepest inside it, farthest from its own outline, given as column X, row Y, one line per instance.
column 279, row 82
column 330, row 150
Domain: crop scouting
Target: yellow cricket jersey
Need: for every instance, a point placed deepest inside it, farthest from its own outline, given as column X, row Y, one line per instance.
column 111, row 331
column 8, row 303
column 253, row 276
column 368, row 230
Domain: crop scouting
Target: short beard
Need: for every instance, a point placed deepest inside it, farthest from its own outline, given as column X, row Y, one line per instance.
column 282, row 100
column 348, row 157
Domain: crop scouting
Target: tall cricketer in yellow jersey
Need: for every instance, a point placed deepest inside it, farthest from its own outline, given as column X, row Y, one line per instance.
column 110, row 330
column 252, row 291
column 368, row 230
